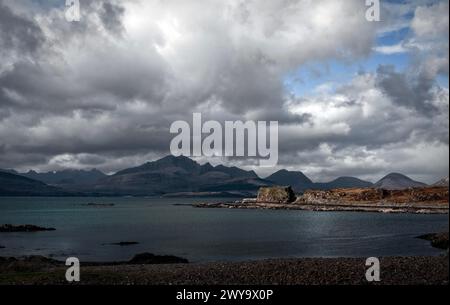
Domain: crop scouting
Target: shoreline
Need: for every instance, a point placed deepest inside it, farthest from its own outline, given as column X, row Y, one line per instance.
column 425, row 200
column 150, row 269
column 290, row 271
column 329, row 207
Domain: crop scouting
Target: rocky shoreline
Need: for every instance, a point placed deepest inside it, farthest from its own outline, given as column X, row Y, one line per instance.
column 432, row 200
column 302, row 271
column 150, row 269
column 376, row 208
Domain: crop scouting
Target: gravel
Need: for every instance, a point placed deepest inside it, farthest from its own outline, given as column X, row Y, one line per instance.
column 305, row 271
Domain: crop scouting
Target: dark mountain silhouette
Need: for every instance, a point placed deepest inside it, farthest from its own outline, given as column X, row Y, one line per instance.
column 300, row 182
column 69, row 178
column 178, row 174
column 297, row 180
column 16, row 185
column 396, row 181
column 343, row 183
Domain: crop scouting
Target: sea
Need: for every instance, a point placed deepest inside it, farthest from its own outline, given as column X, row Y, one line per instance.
column 171, row 226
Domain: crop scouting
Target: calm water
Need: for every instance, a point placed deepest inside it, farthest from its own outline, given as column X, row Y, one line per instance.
column 206, row 234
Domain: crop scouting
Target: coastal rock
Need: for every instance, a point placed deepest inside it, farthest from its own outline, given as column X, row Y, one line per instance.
column 438, row 240
column 371, row 195
column 23, row 228
column 93, row 204
column 149, row 258
column 277, row 194
column 124, row 243
column 424, row 200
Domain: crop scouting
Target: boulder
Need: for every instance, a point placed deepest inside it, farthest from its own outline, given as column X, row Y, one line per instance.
column 277, row 194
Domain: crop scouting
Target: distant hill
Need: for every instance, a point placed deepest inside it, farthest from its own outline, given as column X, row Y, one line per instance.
column 178, row 174
column 297, row 180
column 68, row 178
column 343, row 183
column 396, row 181
column 443, row 182
column 16, row 185
column 9, row 171
column 300, row 182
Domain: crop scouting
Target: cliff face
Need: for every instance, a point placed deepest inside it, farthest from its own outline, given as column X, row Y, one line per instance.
column 276, row 195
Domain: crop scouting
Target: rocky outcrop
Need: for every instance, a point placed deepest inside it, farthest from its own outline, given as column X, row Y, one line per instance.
column 149, row 258
column 426, row 200
column 93, row 204
column 278, row 194
column 412, row 195
column 438, row 240
column 23, row 228
column 124, row 243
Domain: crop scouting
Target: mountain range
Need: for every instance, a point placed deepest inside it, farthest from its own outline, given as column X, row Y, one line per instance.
column 176, row 176
column 16, row 185
column 66, row 178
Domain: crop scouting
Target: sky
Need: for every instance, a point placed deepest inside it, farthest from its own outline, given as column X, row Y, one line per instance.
column 352, row 97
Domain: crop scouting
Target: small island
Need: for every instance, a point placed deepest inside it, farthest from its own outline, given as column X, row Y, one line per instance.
column 94, row 204
column 422, row 200
column 123, row 243
column 8, row 228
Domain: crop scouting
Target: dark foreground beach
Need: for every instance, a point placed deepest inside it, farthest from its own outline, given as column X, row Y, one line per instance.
column 306, row 271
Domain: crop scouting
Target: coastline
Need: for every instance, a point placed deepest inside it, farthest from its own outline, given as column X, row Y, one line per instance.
column 425, row 200
column 330, row 207
column 149, row 269
column 291, row 271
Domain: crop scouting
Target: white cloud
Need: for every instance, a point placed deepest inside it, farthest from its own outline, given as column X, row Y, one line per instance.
column 391, row 49
column 431, row 21
column 94, row 94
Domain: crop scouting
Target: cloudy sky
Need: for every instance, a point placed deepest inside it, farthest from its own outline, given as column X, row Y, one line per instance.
column 352, row 97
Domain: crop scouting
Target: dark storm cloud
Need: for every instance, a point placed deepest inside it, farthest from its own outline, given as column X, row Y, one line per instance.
column 103, row 92
column 413, row 91
column 17, row 32
column 111, row 16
